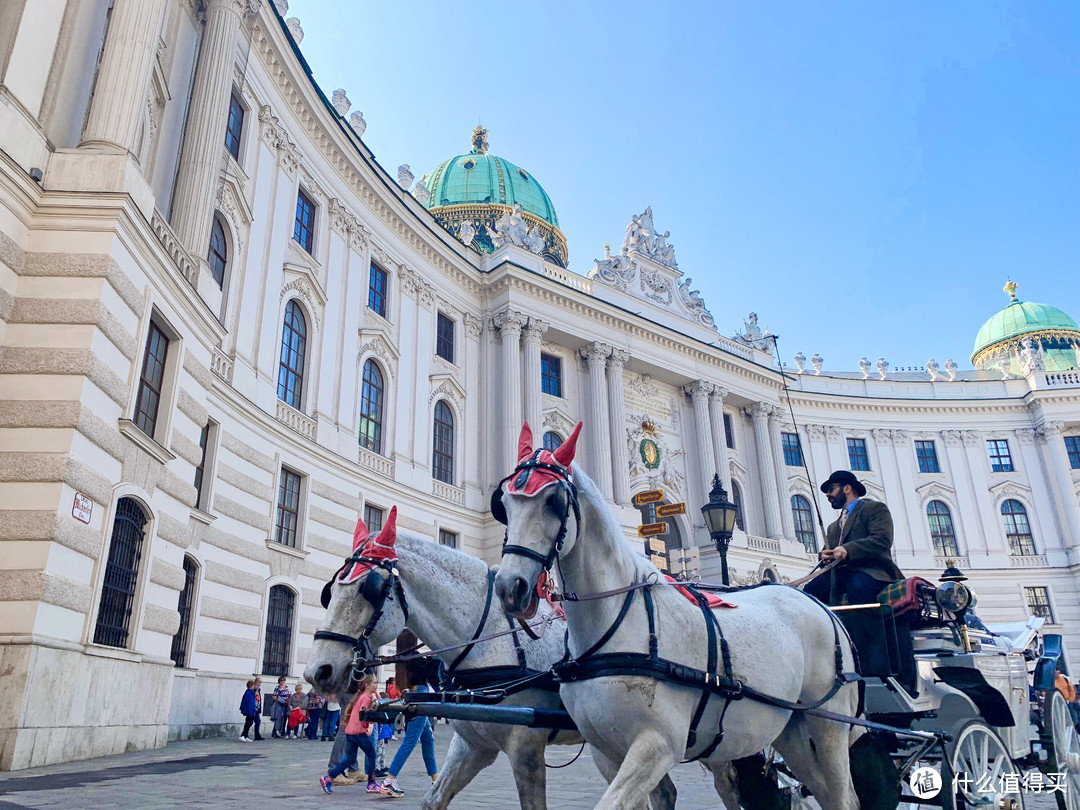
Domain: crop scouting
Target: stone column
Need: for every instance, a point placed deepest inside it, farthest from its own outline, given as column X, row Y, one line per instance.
column 719, row 437
column 119, row 103
column 510, row 323
column 204, row 136
column 1056, row 460
column 759, row 412
column 698, row 392
column 620, row 463
column 534, row 415
column 596, row 355
column 783, row 493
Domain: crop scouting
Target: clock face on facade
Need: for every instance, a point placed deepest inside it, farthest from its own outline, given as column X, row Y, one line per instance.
column 650, row 453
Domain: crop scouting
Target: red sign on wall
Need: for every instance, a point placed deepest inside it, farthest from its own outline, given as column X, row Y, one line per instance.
column 82, row 508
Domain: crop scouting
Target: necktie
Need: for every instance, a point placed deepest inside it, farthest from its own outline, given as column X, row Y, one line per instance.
column 843, row 521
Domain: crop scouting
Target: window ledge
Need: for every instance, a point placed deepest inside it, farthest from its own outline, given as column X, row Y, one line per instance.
column 292, row 552
column 382, row 319
column 202, row 517
column 118, row 653
column 158, row 451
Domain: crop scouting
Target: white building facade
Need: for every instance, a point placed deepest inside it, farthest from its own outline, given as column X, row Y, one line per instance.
column 226, row 332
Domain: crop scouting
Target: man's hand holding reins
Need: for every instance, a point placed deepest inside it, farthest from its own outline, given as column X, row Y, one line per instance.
column 830, row 555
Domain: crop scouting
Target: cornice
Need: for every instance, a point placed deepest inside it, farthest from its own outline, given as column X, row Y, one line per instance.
column 832, row 402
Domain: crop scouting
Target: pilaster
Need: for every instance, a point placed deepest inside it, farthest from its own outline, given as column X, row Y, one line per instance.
column 759, row 413
column 596, row 355
column 719, row 439
column 510, row 323
column 783, row 494
column 531, row 336
column 620, row 463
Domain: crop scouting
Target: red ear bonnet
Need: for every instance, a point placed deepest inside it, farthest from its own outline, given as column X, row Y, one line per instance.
column 564, row 453
column 380, row 547
column 525, row 440
column 529, row 481
column 360, row 536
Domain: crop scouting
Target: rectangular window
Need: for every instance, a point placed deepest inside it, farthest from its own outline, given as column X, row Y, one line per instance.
column 729, row 433
column 288, row 508
column 207, row 438
column 1000, row 458
column 150, row 380
column 1072, row 447
column 376, row 298
column 444, row 338
column 373, row 518
column 926, row 453
column 1038, row 602
column 551, row 375
column 792, row 449
column 448, row 538
column 235, row 127
column 857, row 458
column 304, row 229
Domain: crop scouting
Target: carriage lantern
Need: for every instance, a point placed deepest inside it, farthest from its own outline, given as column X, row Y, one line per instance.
column 719, row 514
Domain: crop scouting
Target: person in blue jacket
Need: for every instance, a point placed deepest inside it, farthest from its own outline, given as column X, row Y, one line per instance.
column 249, row 707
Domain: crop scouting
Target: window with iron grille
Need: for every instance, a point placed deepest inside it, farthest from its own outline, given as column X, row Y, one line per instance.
column 1017, row 529
column 1072, row 447
column 235, row 126
column 277, row 652
column 151, row 379
column 444, row 338
column 736, row 498
column 857, row 457
column 926, row 454
column 373, row 518
column 804, row 522
column 551, row 375
column 448, row 538
column 376, row 297
column 792, row 449
column 1000, row 458
column 729, row 433
column 288, row 508
column 442, row 463
column 121, row 575
column 942, row 532
column 180, row 641
column 204, row 439
column 304, row 227
column 552, row 441
column 1038, row 602
column 371, row 408
column 218, row 257
column 290, row 386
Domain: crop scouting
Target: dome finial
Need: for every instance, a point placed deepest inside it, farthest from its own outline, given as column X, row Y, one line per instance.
column 479, row 140
column 1011, row 287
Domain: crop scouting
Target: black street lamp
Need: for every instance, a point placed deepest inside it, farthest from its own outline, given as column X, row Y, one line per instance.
column 719, row 514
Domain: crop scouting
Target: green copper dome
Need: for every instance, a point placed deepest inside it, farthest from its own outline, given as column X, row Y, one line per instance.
column 1055, row 331
column 469, row 195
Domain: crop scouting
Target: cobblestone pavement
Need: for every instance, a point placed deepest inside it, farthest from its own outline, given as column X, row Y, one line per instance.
column 284, row 774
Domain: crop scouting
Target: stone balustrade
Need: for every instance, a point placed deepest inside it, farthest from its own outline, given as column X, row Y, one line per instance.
column 1029, row 561
column 380, row 465
column 763, row 544
column 222, row 365
column 448, row 492
column 292, row 418
column 567, row 278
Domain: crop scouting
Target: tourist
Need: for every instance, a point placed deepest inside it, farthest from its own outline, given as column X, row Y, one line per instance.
column 330, row 721
column 384, row 734
column 357, row 737
column 297, row 716
column 279, row 710
column 314, row 710
column 249, row 707
column 394, row 693
column 417, row 730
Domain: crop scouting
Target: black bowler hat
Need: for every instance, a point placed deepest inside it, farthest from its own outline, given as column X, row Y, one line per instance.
column 843, row 477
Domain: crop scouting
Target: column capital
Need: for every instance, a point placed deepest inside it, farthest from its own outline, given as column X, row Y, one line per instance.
column 510, row 322
column 951, row 438
column 971, row 438
column 1049, row 431
column 238, row 7
column 534, row 331
column 882, row 436
column 618, row 359
column 595, row 354
column 759, row 411
column 900, row 437
column 698, row 389
column 776, row 413
column 719, row 393
column 815, row 432
column 473, row 325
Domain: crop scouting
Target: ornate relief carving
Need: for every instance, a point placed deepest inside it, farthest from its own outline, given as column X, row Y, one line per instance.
column 698, row 389
column 559, row 422
column 834, row 434
column 411, row 283
column 759, row 411
column 642, row 386
column 900, row 437
column 1025, row 435
column 426, row 296
column 951, row 438
column 449, row 390
column 534, row 331
column 882, row 436
column 225, row 201
column 618, row 359
column 510, row 322
column 303, row 290
column 1050, row 431
column 719, row 393
column 595, row 354
column 971, row 438
column 473, row 325
column 815, row 432
column 378, row 347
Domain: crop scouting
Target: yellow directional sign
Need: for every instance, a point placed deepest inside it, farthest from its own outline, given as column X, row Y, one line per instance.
column 648, row 496
column 669, row 509
column 652, row 529
column 658, row 546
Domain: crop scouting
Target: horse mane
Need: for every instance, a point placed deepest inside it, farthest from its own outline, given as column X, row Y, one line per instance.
column 428, row 554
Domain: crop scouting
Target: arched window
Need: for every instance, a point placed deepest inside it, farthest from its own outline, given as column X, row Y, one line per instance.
column 180, row 642
column 218, row 256
column 551, row 441
column 804, row 522
column 290, row 383
column 121, row 573
column 442, row 463
column 371, row 407
column 1017, row 529
column 279, row 621
column 941, row 529
column 736, row 498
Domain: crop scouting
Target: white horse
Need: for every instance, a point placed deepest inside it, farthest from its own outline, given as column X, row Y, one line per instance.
column 446, row 591
column 781, row 643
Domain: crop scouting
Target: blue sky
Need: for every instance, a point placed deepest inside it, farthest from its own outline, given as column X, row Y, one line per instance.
column 864, row 176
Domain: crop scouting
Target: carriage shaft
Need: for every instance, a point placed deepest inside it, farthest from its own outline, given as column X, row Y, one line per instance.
column 507, row 715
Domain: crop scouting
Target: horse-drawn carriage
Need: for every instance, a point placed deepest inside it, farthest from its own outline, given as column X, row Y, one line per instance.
column 650, row 676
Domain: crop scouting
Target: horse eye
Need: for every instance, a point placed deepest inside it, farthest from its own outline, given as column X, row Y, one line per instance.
column 557, row 502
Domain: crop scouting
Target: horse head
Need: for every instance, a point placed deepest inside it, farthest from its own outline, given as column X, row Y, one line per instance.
column 365, row 608
column 538, row 504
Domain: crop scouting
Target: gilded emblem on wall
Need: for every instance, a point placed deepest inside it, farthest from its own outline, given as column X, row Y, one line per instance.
column 650, row 453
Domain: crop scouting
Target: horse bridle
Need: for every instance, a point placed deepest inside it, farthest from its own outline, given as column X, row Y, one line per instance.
column 376, row 589
column 564, row 483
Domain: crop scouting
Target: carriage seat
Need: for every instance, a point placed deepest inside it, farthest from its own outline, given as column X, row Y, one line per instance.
column 909, row 597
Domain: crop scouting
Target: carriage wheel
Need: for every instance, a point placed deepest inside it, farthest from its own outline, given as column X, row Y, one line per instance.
column 979, row 757
column 1066, row 751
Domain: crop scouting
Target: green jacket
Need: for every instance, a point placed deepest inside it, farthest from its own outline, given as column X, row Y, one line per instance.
column 868, row 537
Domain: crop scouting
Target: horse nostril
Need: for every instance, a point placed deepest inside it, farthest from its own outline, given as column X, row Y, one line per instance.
column 323, row 673
column 518, row 589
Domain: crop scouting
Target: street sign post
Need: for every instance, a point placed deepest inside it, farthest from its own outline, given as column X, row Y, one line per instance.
column 648, row 496
column 670, row 509
column 652, row 529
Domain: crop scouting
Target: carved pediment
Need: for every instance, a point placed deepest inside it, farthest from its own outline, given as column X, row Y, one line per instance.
column 1011, row 489
column 935, row 491
column 559, row 422
column 306, row 287
column 444, row 385
column 232, row 204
